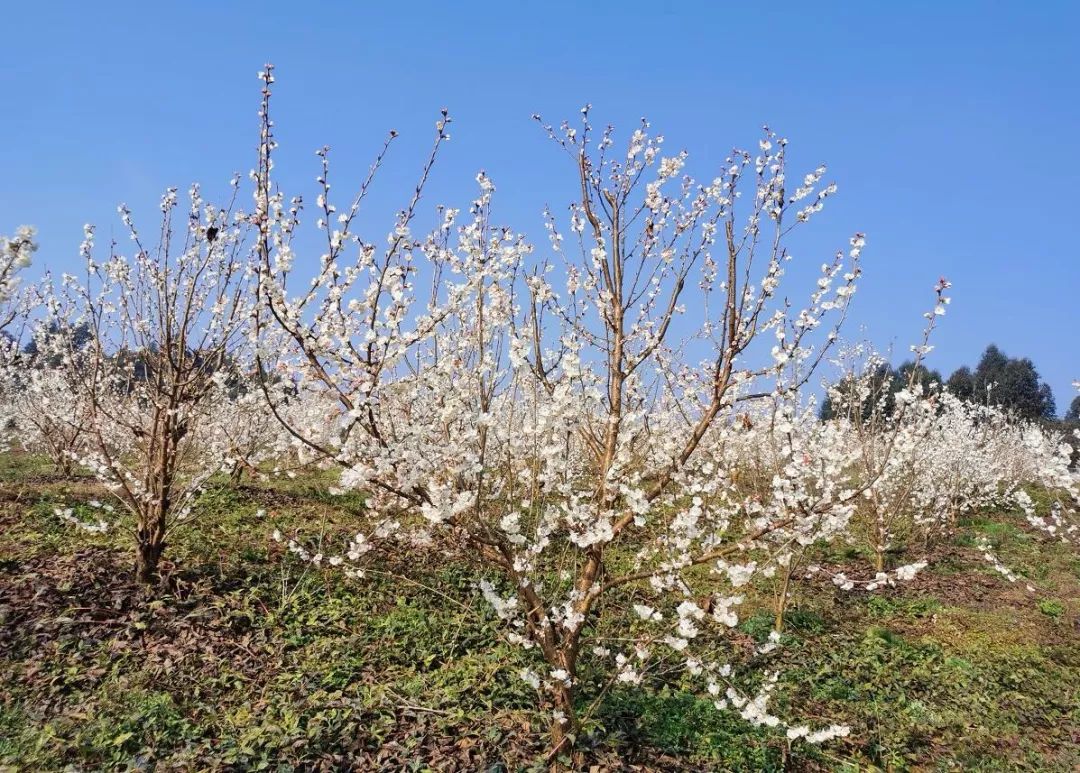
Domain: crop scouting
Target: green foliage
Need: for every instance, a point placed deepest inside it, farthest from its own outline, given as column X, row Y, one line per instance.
column 888, row 606
column 912, row 700
column 1051, row 608
column 683, row 726
column 1010, row 382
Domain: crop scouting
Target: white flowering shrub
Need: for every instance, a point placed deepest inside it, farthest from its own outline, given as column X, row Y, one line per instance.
column 807, row 482
column 551, row 413
column 927, row 458
column 45, row 411
column 243, row 432
column 888, row 433
column 167, row 330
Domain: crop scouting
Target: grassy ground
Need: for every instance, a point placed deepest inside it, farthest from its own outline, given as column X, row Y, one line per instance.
column 251, row 661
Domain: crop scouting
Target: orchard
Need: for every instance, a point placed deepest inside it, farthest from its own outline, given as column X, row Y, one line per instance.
column 283, row 488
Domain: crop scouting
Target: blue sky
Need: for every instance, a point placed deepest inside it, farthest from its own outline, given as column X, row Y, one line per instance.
column 950, row 127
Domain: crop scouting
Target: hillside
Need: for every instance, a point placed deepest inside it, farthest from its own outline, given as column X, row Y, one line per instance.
column 251, row 660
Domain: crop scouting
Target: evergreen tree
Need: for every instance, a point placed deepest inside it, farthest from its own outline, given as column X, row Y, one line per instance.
column 962, row 383
column 1012, row 383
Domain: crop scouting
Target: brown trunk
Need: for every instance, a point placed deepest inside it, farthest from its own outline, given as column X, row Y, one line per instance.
column 147, row 556
column 782, row 600
column 564, row 731
column 237, row 473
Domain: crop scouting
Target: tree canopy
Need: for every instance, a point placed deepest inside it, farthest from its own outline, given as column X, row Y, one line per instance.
column 1011, row 383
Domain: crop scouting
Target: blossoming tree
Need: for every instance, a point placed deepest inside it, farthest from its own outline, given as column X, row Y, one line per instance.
column 549, row 414
column 166, row 328
column 45, row 411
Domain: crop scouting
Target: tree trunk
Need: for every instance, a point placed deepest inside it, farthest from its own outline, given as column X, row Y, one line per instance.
column 564, row 730
column 782, row 600
column 147, row 556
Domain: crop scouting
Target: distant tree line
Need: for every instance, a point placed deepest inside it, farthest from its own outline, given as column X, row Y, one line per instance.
column 885, row 382
column 1073, row 414
column 1011, row 383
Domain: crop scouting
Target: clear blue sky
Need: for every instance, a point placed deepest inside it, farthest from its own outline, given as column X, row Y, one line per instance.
column 950, row 127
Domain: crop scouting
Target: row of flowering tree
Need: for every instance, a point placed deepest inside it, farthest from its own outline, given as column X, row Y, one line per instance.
column 615, row 428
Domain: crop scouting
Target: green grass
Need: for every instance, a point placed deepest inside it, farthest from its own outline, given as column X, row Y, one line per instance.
column 1051, row 608
column 253, row 661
